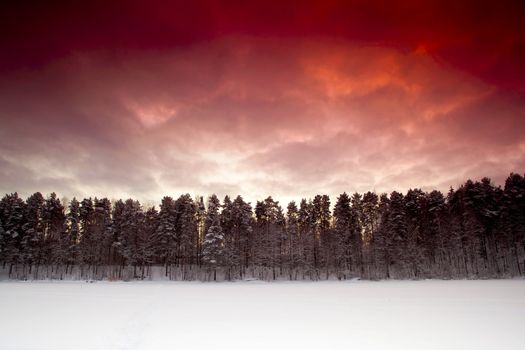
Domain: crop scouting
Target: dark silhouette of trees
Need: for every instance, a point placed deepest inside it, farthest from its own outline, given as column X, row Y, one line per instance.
column 475, row 231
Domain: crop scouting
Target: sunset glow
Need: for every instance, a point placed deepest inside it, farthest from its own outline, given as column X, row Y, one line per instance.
column 289, row 99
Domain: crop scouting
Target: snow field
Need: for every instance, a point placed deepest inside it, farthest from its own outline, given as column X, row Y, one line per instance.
column 258, row 315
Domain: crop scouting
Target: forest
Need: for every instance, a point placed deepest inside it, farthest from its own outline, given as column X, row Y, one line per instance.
column 474, row 231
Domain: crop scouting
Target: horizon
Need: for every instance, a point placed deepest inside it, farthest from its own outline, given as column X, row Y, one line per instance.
column 155, row 203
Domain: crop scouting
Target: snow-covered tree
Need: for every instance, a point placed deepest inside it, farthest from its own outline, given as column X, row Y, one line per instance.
column 12, row 213
column 293, row 254
column 238, row 242
column 213, row 247
column 186, row 228
column 70, row 243
column 33, row 230
column 323, row 247
column 166, row 246
column 343, row 235
column 307, row 240
column 473, row 231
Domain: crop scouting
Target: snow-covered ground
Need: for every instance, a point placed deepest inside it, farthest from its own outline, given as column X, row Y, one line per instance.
column 256, row 315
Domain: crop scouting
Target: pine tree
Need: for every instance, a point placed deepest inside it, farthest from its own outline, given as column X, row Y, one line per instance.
column 269, row 232
column 200, row 216
column 236, row 224
column 131, row 222
column 151, row 224
column 323, row 245
column 343, row 236
column 213, row 249
column 73, row 232
column 378, row 249
column 53, row 219
column 102, row 230
column 12, row 212
column 306, row 239
column 415, row 205
column 186, row 229
column 118, row 230
column 240, row 248
column 87, row 240
column 347, row 236
column 33, row 230
column 512, row 237
column 438, row 242
column 369, row 216
column 166, row 233
column 397, row 235
column 356, row 234
column 148, row 238
column 292, row 229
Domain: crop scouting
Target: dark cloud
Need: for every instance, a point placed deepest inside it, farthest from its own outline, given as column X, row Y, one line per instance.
column 484, row 38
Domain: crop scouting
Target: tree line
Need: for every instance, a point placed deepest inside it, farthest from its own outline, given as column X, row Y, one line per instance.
column 475, row 231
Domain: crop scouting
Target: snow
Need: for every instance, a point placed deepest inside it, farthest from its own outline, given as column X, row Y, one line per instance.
column 257, row 315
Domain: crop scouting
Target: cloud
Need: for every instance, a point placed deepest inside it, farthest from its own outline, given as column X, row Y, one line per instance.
column 484, row 39
column 254, row 116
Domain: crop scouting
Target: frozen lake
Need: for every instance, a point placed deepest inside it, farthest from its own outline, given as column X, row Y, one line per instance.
column 257, row 315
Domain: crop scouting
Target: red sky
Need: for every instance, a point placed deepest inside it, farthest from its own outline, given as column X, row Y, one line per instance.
column 288, row 98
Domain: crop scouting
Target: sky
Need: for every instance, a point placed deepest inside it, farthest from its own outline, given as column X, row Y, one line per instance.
column 282, row 98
